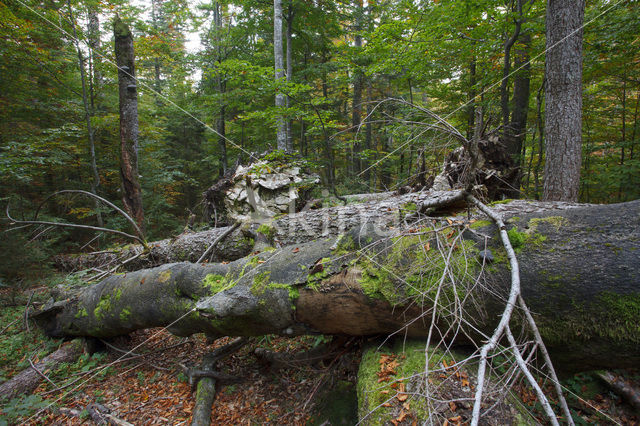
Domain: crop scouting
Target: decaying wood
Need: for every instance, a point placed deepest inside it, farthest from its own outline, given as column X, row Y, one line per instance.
column 574, row 303
column 29, row 379
column 621, row 387
column 205, row 379
column 383, row 210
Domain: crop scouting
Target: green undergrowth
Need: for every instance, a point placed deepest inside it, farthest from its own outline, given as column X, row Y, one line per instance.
column 392, row 381
column 376, row 389
column 18, row 346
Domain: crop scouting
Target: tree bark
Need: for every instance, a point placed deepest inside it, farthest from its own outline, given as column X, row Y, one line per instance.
column 358, row 83
column 585, row 312
column 221, row 88
column 28, row 380
column 563, row 114
column 281, row 135
column 93, row 37
column 290, row 15
column 307, row 225
column 128, row 93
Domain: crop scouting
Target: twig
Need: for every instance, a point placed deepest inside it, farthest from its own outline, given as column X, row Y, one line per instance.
column 26, row 312
column 542, row 399
column 41, row 374
column 508, row 310
column 97, row 197
column 147, row 403
column 503, row 328
column 112, row 270
column 74, row 225
column 90, row 241
column 9, row 325
column 547, row 360
column 217, row 240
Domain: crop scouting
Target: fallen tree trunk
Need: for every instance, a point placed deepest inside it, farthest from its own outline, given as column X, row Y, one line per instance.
column 383, row 210
column 26, row 381
column 579, row 268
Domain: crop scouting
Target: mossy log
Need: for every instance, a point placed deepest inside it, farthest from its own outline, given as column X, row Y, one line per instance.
column 27, row 380
column 383, row 210
column 580, row 270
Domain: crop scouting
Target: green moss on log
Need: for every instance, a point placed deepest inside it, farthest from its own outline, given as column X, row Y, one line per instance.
column 414, row 269
column 215, row 283
column 613, row 317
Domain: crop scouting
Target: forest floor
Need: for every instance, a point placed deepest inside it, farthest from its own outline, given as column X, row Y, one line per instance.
column 154, row 390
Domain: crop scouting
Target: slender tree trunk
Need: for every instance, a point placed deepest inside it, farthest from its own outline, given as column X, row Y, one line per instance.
column 88, row 113
column 517, row 129
column 155, row 22
column 624, row 134
column 131, row 194
column 93, row 35
column 635, row 126
column 471, row 108
column 368, row 137
column 221, row 87
column 358, row 83
column 506, row 68
column 563, row 115
column 521, row 89
column 540, row 125
column 290, row 15
column 281, row 135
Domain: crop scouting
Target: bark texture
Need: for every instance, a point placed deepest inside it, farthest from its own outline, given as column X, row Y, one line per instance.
column 563, row 114
column 281, row 137
column 586, row 312
column 128, row 96
column 381, row 209
column 28, row 380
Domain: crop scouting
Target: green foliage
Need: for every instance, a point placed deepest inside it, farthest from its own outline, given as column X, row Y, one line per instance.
column 22, row 407
column 423, row 53
column 24, row 259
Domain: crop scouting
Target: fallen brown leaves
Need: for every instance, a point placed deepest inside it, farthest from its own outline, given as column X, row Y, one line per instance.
column 148, row 390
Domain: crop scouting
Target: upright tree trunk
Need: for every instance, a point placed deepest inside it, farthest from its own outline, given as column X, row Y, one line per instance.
column 624, row 134
column 358, row 80
column 471, row 108
column 290, row 15
column 87, row 115
column 563, row 115
column 521, row 90
column 127, row 88
column 93, row 37
column 221, row 87
column 517, row 128
column 281, row 135
column 506, row 68
column 156, row 21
